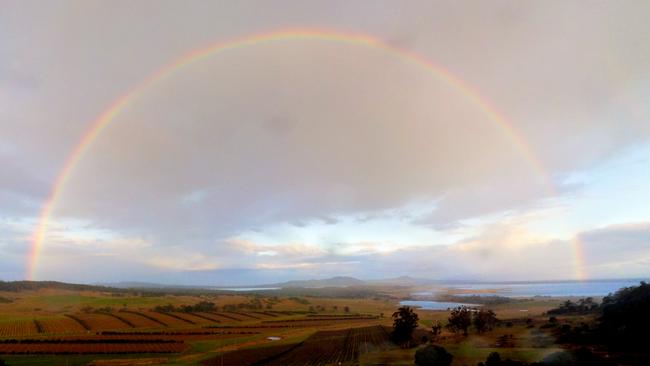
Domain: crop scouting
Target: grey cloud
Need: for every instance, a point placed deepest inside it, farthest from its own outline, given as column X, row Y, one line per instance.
column 617, row 249
column 347, row 152
column 311, row 131
column 21, row 192
column 498, row 253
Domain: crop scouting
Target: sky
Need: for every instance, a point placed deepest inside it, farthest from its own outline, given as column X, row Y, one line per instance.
column 315, row 157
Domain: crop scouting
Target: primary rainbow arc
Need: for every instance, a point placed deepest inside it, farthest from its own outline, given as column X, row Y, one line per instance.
column 363, row 40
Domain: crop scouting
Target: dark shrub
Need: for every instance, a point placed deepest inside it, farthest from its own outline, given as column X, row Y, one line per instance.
column 433, row 356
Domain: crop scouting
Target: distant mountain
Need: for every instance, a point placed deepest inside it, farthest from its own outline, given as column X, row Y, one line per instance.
column 16, row 286
column 143, row 285
column 340, row 281
column 403, row 281
column 139, row 286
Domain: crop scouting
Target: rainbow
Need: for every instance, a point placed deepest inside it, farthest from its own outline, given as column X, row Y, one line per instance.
column 132, row 95
column 579, row 257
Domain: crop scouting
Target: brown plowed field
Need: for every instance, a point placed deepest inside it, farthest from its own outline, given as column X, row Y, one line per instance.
column 322, row 348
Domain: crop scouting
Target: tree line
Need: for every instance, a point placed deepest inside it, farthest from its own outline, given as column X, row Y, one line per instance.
column 461, row 318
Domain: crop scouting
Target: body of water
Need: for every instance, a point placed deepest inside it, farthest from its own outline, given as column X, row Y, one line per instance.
column 528, row 289
column 578, row 288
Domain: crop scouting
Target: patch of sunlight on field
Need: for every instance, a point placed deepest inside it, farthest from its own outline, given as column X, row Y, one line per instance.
column 214, row 344
column 468, row 353
column 68, row 301
column 366, row 306
column 202, row 350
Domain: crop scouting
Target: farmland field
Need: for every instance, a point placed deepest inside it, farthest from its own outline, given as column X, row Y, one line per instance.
column 40, row 327
column 57, row 325
column 322, row 348
column 91, row 346
column 17, row 328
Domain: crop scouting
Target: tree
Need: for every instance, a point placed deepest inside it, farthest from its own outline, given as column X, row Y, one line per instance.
column 87, row 309
column 405, row 320
column 346, row 309
column 165, row 308
column 436, row 330
column 583, row 306
column 587, row 304
column 484, row 320
column 625, row 317
column 493, row 359
column 433, row 356
column 460, row 319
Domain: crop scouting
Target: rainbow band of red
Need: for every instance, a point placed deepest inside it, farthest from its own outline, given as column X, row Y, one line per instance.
column 132, row 95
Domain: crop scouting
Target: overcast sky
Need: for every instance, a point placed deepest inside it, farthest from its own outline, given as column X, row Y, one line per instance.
column 312, row 158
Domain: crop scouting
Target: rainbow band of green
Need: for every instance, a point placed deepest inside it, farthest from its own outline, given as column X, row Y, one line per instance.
column 132, row 95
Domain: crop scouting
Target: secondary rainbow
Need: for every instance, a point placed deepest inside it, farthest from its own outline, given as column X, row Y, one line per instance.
column 284, row 35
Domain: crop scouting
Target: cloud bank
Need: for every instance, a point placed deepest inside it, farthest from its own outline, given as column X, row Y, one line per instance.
column 313, row 158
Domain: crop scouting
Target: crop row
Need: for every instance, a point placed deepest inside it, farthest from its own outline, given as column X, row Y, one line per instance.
column 248, row 326
column 110, row 333
column 112, row 321
column 327, row 319
column 17, row 328
column 332, row 347
column 322, row 348
column 84, row 341
column 94, row 348
column 60, row 325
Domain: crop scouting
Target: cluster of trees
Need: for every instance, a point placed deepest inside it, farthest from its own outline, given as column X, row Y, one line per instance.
column 89, row 309
column 203, row 306
column 253, row 304
column 625, row 317
column 488, row 300
column 299, row 300
column 321, row 308
column 582, row 306
column 623, row 321
column 462, row 317
column 207, row 306
column 405, row 320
